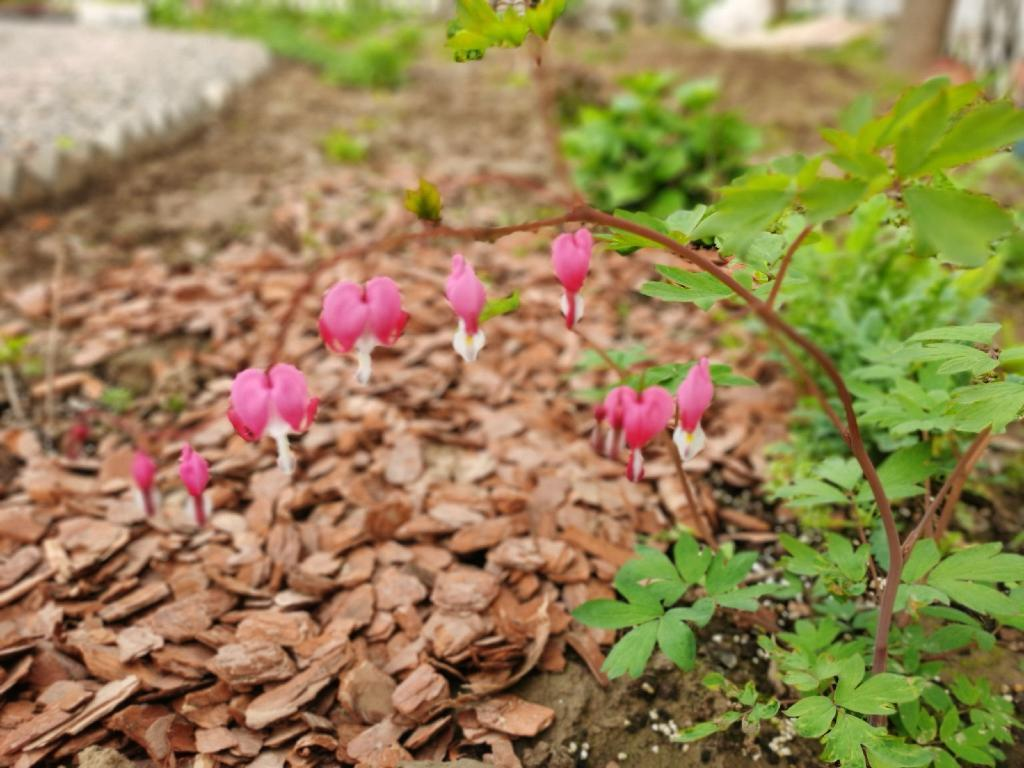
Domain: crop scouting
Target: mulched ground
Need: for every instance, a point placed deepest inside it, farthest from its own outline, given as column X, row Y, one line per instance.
column 444, row 520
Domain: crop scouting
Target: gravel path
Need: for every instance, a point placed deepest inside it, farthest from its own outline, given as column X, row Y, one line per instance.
column 76, row 98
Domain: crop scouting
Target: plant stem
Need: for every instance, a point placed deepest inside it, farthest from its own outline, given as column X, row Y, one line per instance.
column 700, row 515
column 953, row 485
column 51, row 342
column 786, row 259
column 11, row 387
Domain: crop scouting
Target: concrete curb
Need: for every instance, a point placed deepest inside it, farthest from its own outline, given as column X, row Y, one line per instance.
column 79, row 101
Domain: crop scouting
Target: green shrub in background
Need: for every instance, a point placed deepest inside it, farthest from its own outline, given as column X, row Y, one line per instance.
column 364, row 45
column 656, row 147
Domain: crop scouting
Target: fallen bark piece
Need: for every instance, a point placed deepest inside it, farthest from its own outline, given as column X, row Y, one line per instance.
column 514, row 716
column 211, row 740
column 107, row 699
column 465, row 589
column 251, row 663
column 283, row 700
column 422, row 689
column 135, row 642
column 394, row 588
column 365, row 691
column 287, row 628
column 379, row 736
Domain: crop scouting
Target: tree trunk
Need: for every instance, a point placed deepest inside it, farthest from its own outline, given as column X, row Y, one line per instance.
column 920, row 34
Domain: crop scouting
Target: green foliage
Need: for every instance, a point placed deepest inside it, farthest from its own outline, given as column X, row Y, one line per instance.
column 653, row 584
column 477, row 26
column 747, row 698
column 117, row 399
column 655, row 147
column 502, row 306
column 12, row 349
column 424, row 201
column 341, row 147
column 362, row 45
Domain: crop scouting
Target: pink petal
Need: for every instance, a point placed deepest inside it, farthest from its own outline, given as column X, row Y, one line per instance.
column 695, row 394
column 193, row 470
column 570, row 257
column 465, row 293
column 614, row 405
column 250, row 402
column 648, row 415
column 386, row 317
column 344, row 316
column 143, row 470
column 290, row 394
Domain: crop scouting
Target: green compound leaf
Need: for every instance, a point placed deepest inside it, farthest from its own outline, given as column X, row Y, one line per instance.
column 613, row 614
column 878, row 694
column 630, row 654
column 813, row 715
column 676, row 640
column 959, row 226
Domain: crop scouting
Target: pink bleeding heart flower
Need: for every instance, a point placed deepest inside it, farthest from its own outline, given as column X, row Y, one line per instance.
column 467, row 297
column 646, row 414
column 276, row 403
column 614, row 410
column 570, row 257
column 195, row 474
column 694, row 396
column 363, row 317
column 144, row 472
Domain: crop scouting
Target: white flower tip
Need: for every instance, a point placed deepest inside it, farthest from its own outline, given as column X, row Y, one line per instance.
column 576, row 309
column 468, row 345
column 689, row 443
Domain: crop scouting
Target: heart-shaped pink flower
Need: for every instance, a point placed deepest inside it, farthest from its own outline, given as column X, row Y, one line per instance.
column 276, row 403
column 646, row 414
column 362, row 317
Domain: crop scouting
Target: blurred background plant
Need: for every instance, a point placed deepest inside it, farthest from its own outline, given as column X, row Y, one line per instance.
column 363, row 44
column 657, row 147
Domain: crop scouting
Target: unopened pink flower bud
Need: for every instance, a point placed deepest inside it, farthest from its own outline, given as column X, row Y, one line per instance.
column 195, row 474
column 467, row 297
column 570, row 258
column 143, row 473
column 694, row 396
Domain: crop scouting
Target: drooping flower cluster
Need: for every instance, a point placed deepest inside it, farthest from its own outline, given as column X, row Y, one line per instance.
column 363, row 317
column 632, row 419
column 275, row 403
